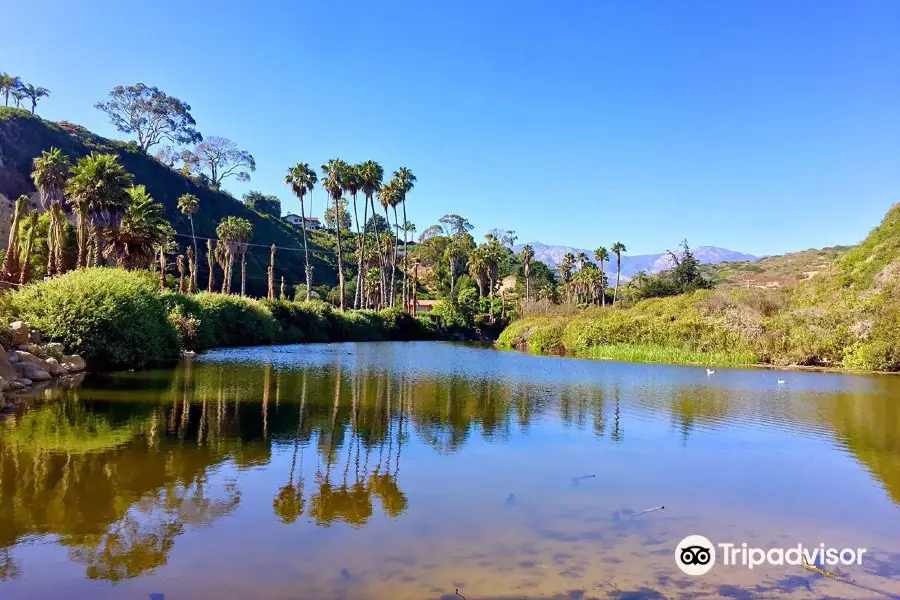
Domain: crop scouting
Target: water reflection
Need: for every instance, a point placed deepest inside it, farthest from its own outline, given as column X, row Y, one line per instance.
column 120, row 469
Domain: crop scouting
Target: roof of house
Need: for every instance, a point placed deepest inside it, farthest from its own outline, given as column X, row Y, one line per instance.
column 424, row 302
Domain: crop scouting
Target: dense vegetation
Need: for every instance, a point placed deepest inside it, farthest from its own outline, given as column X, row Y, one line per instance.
column 118, row 319
column 846, row 316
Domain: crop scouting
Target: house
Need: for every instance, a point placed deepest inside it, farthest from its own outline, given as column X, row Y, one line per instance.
column 297, row 220
column 422, row 307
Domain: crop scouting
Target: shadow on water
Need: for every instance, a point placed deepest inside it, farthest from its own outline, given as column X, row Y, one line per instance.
column 121, row 468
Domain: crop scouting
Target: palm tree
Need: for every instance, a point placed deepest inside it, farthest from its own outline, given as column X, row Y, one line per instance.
column 388, row 195
column 35, row 94
column 478, row 268
column 601, row 255
column 210, row 264
column 31, row 225
column 582, row 259
column 371, row 175
column 527, row 257
column 228, row 233
column 618, row 248
column 452, row 254
column 244, row 233
column 565, row 270
column 143, row 229
column 99, row 189
column 11, row 267
column 353, row 183
column 19, row 95
column 333, row 181
column 189, row 204
column 8, row 83
column 51, row 170
column 302, row 180
column 407, row 182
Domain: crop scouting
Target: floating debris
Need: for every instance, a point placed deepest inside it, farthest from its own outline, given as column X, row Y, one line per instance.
column 649, row 510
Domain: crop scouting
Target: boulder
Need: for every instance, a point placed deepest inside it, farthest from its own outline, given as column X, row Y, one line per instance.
column 7, row 371
column 33, row 372
column 19, row 333
column 28, row 357
column 54, row 368
column 19, row 384
column 5, row 385
column 73, row 363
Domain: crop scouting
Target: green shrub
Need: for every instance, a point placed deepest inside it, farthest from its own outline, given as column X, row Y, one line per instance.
column 112, row 318
column 235, row 321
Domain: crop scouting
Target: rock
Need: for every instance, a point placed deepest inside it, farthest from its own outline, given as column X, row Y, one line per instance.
column 34, row 372
column 5, row 385
column 12, row 357
column 73, row 363
column 7, row 371
column 19, row 384
column 35, row 337
column 28, row 357
column 54, row 368
column 19, row 333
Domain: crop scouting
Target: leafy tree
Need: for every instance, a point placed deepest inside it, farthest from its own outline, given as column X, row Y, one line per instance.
column 98, row 188
column 302, row 180
column 686, row 274
column 618, row 248
column 377, row 223
column 431, row 232
column 151, row 115
column 8, row 84
column 218, row 158
column 263, row 203
column 35, row 94
column 346, row 221
column 455, row 224
column 19, row 95
column 51, row 170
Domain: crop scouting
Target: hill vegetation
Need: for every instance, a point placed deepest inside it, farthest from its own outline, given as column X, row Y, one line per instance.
column 845, row 315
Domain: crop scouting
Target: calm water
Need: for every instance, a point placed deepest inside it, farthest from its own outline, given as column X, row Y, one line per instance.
column 408, row 470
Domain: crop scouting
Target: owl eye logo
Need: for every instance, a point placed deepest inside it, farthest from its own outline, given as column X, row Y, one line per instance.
column 695, row 555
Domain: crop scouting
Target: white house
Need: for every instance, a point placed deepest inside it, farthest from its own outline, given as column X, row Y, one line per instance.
column 311, row 222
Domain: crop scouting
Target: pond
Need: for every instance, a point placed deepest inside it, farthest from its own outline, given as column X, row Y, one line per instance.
column 413, row 470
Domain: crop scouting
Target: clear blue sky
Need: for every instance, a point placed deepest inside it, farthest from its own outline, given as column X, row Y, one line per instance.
column 763, row 126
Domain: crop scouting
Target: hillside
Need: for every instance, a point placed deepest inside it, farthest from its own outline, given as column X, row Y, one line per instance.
column 552, row 256
column 773, row 271
column 844, row 313
column 23, row 136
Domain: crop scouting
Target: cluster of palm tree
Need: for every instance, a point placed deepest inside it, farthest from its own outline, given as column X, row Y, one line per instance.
column 11, row 85
column 339, row 178
column 583, row 281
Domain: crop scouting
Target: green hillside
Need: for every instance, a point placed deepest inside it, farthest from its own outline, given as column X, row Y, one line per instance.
column 23, row 136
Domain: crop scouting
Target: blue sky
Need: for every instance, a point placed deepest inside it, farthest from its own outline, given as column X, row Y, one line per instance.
column 762, row 126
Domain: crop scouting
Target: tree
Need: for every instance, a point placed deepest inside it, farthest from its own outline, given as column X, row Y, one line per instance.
column 377, row 224
column 601, row 255
column 452, row 255
column 31, row 225
column 263, row 203
column 98, row 188
column 389, row 196
column 565, row 269
column 302, row 180
column 143, row 229
column 151, row 115
column 189, row 204
column 686, row 273
column 19, row 95
column 582, row 259
column 346, row 221
column 527, row 257
column 455, row 224
column 430, row 232
column 333, row 175
column 219, row 158
column 234, row 235
column 11, row 268
column 406, row 182
column 51, row 170
column 353, row 183
column 8, row 83
column 618, row 248
column 35, row 94
column 371, row 175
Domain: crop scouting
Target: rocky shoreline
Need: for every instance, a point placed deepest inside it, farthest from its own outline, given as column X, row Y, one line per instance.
column 29, row 361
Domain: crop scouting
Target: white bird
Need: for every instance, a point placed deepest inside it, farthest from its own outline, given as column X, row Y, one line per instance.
column 781, row 381
column 709, row 371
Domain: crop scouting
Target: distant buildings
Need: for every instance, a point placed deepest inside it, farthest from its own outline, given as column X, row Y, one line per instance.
column 311, row 222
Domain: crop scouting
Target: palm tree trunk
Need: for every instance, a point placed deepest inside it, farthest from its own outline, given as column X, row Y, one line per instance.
column 162, row 268
column 340, row 261
column 602, row 286
column 405, row 256
column 618, row 271
column 210, row 262
column 380, row 256
column 388, row 299
column 306, row 250
column 244, row 272
column 26, row 251
column 452, row 266
column 527, row 287
column 95, row 247
column 228, row 271
column 394, row 263
column 271, row 294
column 361, row 277
column 51, row 244
column 359, row 254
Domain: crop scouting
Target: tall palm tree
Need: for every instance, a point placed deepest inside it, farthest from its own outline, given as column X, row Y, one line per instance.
column 601, row 255
column 11, row 268
column 302, row 180
column 210, row 264
column 31, row 226
column 565, row 270
column 8, row 83
column 618, row 248
column 143, row 229
column 388, row 195
column 527, row 258
column 478, row 268
column 407, row 182
column 452, row 255
column 371, row 175
column 98, row 188
column 189, row 204
column 51, row 170
column 35, row 94
column 582, row 259
column 353, row 183
column 333, row 181
column 234, row 235
column 19, row 95
column 244, row 233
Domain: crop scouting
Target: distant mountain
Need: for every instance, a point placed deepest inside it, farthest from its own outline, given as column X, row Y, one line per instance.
column 631, row 264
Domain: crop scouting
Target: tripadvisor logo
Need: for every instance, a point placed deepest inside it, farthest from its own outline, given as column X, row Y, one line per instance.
column 695, row 555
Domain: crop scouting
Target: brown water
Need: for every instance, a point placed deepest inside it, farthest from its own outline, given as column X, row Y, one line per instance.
column 411, row 470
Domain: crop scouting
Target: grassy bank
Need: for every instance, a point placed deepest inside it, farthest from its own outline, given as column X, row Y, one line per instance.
column 847, row 316
column 118, row 319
